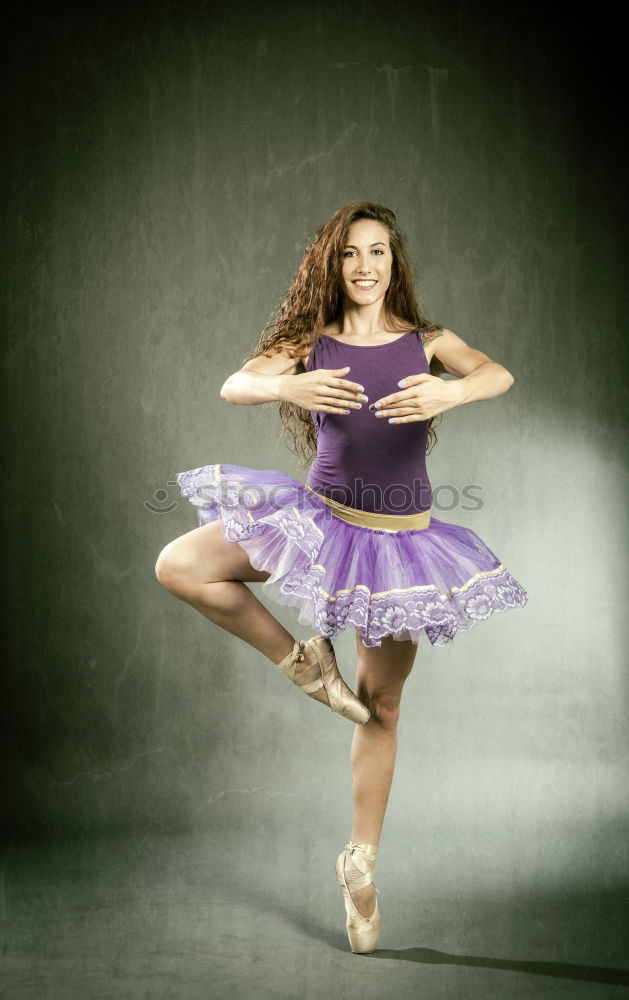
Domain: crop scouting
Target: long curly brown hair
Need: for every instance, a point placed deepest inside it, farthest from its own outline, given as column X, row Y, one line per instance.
column 315, row 300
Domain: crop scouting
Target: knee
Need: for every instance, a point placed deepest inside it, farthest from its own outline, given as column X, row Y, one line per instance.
column 385, row 711
column 169, row 570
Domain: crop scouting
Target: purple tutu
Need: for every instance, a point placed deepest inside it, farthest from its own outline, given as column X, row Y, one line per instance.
column 441, row 580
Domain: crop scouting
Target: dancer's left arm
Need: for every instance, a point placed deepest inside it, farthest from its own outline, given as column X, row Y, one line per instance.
column 423, row 396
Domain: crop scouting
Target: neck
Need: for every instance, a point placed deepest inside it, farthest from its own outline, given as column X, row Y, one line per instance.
column 363, row 321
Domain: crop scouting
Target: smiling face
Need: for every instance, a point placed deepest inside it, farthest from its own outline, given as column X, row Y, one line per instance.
column 367, row 262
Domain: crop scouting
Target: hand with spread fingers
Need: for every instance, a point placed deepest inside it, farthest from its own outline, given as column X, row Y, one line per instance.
column 423, row 397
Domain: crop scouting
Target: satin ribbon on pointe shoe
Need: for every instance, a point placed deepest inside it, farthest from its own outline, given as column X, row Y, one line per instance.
column 363, row 932
column 288, row 666
column 341, row 699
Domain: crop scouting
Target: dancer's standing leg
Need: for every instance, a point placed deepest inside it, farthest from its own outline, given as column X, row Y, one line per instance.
column 381, row 673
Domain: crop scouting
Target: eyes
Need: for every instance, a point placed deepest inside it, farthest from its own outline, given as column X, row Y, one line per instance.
column 350, row 253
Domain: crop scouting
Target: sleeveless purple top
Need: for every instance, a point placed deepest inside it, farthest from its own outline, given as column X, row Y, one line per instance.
column 362, row 460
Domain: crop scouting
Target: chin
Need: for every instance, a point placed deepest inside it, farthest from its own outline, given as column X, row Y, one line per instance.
column 361, row 298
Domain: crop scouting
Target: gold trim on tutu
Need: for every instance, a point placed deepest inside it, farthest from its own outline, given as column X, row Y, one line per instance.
column 369, row 519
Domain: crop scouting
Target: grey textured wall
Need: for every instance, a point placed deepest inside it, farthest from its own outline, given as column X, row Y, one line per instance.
column 165, row 170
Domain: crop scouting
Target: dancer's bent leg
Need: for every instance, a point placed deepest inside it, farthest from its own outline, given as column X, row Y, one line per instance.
column 207, row 572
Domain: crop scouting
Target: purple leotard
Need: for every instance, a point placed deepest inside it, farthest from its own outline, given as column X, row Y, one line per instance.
column 362, row 460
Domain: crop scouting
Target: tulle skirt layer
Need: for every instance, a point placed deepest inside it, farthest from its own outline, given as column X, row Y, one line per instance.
column 440, row 580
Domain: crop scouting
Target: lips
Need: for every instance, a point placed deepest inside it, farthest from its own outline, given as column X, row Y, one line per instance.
column 364, row 282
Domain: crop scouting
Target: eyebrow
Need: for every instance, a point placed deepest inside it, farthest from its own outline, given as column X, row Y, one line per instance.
column 350, row 246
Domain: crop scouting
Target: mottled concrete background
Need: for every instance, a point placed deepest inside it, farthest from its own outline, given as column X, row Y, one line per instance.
column 164, row 169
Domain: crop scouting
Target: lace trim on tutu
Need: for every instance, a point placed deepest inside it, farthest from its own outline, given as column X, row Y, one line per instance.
column 309, row 554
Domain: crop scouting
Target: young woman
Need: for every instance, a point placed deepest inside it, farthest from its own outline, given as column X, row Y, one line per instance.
column 354, row 366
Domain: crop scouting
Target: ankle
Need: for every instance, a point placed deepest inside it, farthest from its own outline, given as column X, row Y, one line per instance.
column 361, row 857
column 364, row 846
column 291, row 662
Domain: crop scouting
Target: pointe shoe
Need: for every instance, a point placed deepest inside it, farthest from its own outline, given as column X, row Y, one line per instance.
column 363, row 932
column 340, row 698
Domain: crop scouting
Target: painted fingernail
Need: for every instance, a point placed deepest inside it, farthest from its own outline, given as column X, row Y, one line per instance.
column 361, row 388
column 345, row 411
column 380, row 414
column 365, row 399
column 377, row 404
column 402, row 382
column 358, row 405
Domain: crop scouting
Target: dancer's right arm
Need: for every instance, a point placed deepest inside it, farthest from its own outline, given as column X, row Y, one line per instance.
column 275, row 378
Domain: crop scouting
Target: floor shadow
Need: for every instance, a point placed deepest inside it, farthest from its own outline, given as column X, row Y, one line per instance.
column 557, row 970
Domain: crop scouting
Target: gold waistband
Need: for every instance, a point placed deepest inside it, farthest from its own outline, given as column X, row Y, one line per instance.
column 368, row 519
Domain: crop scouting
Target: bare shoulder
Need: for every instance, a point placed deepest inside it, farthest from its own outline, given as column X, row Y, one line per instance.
column 429, row 338
column 454, row 355
column 332, row 329
column 274, row 362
